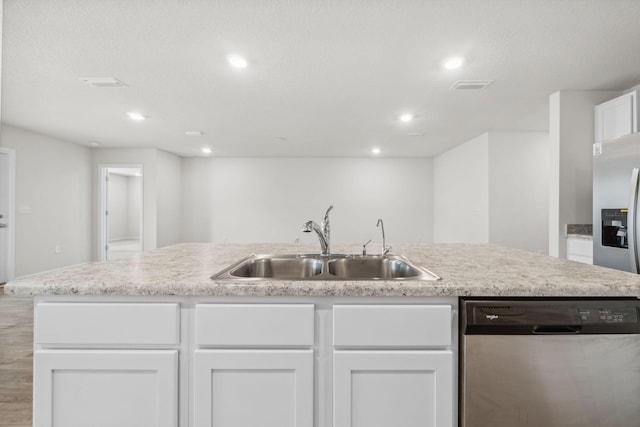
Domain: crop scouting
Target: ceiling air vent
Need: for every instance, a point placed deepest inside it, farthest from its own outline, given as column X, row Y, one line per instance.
column 103, row 82
column 471, row 84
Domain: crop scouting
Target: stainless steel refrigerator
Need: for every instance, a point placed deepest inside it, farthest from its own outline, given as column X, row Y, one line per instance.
column 616, row 169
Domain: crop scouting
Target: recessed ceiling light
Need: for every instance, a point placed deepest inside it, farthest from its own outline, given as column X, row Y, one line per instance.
column 206, row 150
column 406, row 118
column 471, row 84
column 376, row 150
column 103, row 82
column 453, row 63
column 237, row 61
column 95, row 144
column 194, row 133
column 135, row 116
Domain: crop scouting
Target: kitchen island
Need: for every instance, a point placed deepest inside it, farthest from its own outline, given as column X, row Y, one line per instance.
column 465, row 269
column 153, row 341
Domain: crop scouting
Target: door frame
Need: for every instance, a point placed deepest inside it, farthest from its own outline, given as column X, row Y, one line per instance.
column 11, row 208
column 103, row 234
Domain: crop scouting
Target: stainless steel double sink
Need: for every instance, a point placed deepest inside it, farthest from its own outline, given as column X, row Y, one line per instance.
column 325, row 267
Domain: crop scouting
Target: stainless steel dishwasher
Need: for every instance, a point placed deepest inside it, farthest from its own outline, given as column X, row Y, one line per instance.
column 549, row 363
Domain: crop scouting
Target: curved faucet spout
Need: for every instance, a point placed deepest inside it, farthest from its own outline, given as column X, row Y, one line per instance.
column 385, row 248
column 309, row 226
column 323, row 231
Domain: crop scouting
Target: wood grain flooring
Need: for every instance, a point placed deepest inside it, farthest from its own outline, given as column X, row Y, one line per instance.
column 16, row 360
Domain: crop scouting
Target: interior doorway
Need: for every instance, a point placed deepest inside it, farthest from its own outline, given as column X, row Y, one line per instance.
column 122, row 211
column 7, row 214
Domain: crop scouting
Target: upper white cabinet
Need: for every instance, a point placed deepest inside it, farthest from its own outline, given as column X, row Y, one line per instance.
column 617, row 117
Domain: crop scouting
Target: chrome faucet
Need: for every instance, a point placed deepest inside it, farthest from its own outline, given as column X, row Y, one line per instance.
column 323, row 231
column 385, row 248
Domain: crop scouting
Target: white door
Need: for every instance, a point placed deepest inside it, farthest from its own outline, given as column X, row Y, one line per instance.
column 393, row 388
column 105, row 388
column 7, row 223
column 244, row 388
column 121, row 213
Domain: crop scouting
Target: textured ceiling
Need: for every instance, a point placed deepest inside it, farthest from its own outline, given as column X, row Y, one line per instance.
column 326, row 78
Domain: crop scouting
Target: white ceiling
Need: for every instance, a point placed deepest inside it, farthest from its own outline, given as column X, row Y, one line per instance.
column 326, row 77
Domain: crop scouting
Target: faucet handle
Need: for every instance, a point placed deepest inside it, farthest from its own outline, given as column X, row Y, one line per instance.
column 364, row 248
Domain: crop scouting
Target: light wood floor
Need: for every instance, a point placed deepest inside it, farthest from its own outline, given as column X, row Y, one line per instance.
column 16, row 360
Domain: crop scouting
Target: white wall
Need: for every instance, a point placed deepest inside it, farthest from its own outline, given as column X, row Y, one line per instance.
column 461, row 193
column 571, row 135
column 494, row 189
column 519, row 190
column 169, row 202
column 120, row 157
column 53, row 200
column 268, row 199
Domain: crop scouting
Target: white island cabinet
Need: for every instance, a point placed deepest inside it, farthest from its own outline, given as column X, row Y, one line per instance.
column 106, row 364
column 393, row 365
column 253, row 365
column 245, row 361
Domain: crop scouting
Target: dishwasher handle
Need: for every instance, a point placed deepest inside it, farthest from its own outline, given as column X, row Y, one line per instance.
column 557, row 329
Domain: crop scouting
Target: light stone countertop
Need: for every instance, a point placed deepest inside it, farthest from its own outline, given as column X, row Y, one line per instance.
column 580, row 230
column 465, row 269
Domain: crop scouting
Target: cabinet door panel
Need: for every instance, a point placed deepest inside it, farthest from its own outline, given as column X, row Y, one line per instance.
column 388, row 326
column 616, row 118
column 403, row 388
column 107, row 323
column 254, row 324
column 104, row 388
column 267, row 388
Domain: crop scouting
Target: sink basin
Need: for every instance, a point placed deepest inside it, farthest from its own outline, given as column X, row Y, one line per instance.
column 375, row 267
column 325, row 268
column 287, row 267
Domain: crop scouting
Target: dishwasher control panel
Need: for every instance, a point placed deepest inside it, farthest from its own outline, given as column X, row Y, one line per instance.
column 548, row 316
column 597, row 315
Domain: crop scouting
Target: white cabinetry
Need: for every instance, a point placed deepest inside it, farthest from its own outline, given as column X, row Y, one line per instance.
column 617, row 117
column 393, row 365
column 393, row 388
column 256, row 378
column 237, row 362
column 94, row 365
column 580, row 249
column 239, row 388
column 105, row 388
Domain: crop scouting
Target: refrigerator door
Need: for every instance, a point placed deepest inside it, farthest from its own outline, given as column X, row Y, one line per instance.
column 612, row 188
